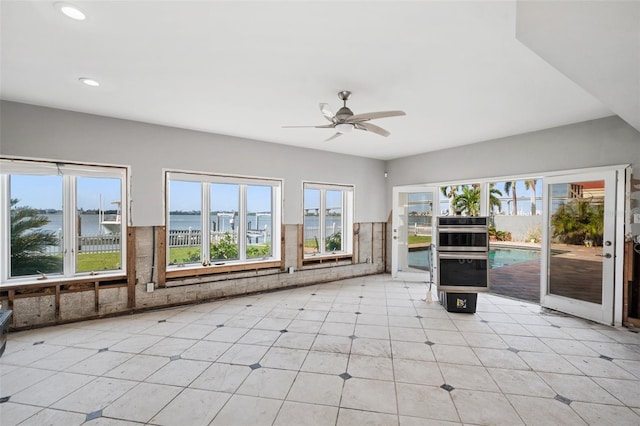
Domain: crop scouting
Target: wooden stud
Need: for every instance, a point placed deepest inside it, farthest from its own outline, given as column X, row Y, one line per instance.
column 96, row 293
column 131, row 267
column 161, row 255
column 300, row 246
column 57, row 302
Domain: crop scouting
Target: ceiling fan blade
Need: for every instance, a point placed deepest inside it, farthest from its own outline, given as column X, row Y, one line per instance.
column 324, row 126
column 326, row 111
column 372, row 128
column 333, row 137
column 373, row 115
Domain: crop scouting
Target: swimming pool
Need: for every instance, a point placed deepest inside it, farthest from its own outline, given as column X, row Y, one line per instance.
column 498, row 257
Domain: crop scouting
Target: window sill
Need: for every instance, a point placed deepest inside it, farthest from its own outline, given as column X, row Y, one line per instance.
column 196, row 270
column 53, row 281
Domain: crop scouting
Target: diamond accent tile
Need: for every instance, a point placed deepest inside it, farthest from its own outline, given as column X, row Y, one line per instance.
column 255, row 366
column 38, row 343
column 419, row 316
column 563, row 399
column 164, row 320
column 360, row 297
column 345, row 376
column 220, row 325
column 608, row 358
column 353, row 337
column 313, row 294
column 94, row 415
column 358, row 313
column 484, row 321
column 555, row 326
column 175, row 357
column 103, row 350
column 248, row 306
column 447, row 387
column 301, row 309
column 4, row 399
column 514, row 350
column 429, row 343
column 284, row 330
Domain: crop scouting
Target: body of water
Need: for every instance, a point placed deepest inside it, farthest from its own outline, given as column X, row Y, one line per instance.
column 498, row 257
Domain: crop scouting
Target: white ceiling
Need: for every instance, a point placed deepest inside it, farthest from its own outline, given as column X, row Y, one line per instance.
column 247, row 68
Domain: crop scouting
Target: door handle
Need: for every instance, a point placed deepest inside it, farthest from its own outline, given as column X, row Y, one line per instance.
column 607, row 255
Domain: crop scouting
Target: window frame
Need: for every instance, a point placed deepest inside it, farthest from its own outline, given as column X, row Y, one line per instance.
column 347, row 206
column 213, row 266
column 69, row 172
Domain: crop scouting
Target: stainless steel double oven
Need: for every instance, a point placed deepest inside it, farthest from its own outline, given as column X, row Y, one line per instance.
column 463, row 254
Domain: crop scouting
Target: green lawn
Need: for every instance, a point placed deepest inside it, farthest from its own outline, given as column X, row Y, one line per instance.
column 419, row 239
column 98, row 261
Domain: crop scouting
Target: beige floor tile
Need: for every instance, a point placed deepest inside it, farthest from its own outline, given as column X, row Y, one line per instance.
column 268, row 383
column 615, row 350
column 300, row 414
column 192, row 407
column 372, row 331
column 348, row 417
column 343, row 317
column 417, row 421
column 325, row 362
column 455, row 354
column 627, row 391
column 484, row 340
column 290, row 359
column 221, row 377
column 597, row 367
column 445, row 337
column 399, row 320
column 21, row 378
column 63, row 359
column 419, row 372
column 29, row 354
column 206, row 350
column 412, row 350
column 369, row 367
column 95, row 396
column 180, row 372
column 509, row 328
column 304, row 326
column 519, row 382
column 428, row 402
column 371, row 347
column 227, row 334
column 579, row 388
column 138, row 367
column 247, row 410
column 470, row 377
column 407, row 334
column 53, row 388
column 552, row 363
column 54, row 417
column 480, row 407
column 337, row 329
column 260, row 337
column 367, row 317
column 193, row 331
column 600, row 414
column 544, row 411
column 327, row 389
column 136, row 344
column 526, row 343
column 500, row 358
column 569, row 347
column 243, row 354
column 100, row 363
column 170, row 346
column 295, row 340
column 338, row 344
column 13, row 414
column 142, row 402
column 369, row 395
column 164, row 329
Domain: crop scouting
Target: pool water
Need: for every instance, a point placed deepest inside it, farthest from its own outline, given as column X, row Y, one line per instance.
column 498, row 257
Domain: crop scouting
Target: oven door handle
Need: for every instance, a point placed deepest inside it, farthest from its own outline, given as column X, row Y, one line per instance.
column 462, row 230
column 463, row 255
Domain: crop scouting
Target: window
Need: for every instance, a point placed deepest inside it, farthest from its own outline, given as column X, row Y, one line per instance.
column 221, row 220
column 61, row 220
column 328, row 219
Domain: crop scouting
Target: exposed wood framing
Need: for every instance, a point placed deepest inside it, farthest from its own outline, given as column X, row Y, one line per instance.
column 131, row 267
column 300, row 246
column 202, row 271
column 161, row 255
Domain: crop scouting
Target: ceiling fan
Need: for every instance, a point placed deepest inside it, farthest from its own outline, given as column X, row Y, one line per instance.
column 344, row 121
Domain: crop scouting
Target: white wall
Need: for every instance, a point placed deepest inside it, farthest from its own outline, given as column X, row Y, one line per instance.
column 52, row 134
column 603, row 142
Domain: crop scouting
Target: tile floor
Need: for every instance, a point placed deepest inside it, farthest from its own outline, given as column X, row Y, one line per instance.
column 352, row 352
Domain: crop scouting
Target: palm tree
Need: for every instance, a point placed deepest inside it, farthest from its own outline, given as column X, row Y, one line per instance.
column 579, row 220
column 531, row 185
column 450, row 192
column 494, row 201
column 28, row 243
column 511, row 187
column 468, row 201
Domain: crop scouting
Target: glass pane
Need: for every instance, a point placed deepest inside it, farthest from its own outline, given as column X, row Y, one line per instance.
column 99, row 224
column 333, row 221
column 515, row 234
column 36, row 225
column 258, row 221
column 184, row 224
column 311, row 221
column 225, row 206
column 576, row 230
column 460, row 200
column 419, row 210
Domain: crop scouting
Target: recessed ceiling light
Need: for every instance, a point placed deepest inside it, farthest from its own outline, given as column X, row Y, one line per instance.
column 89, row 82
column 70, row 10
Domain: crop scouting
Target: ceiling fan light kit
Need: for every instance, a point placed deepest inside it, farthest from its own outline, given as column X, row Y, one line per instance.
column 345, row 121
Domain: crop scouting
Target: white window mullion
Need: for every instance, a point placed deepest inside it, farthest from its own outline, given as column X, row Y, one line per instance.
column 205, row 225
column 322, row 219
column 242, row 224
column 5, row 227
column 70, row 239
